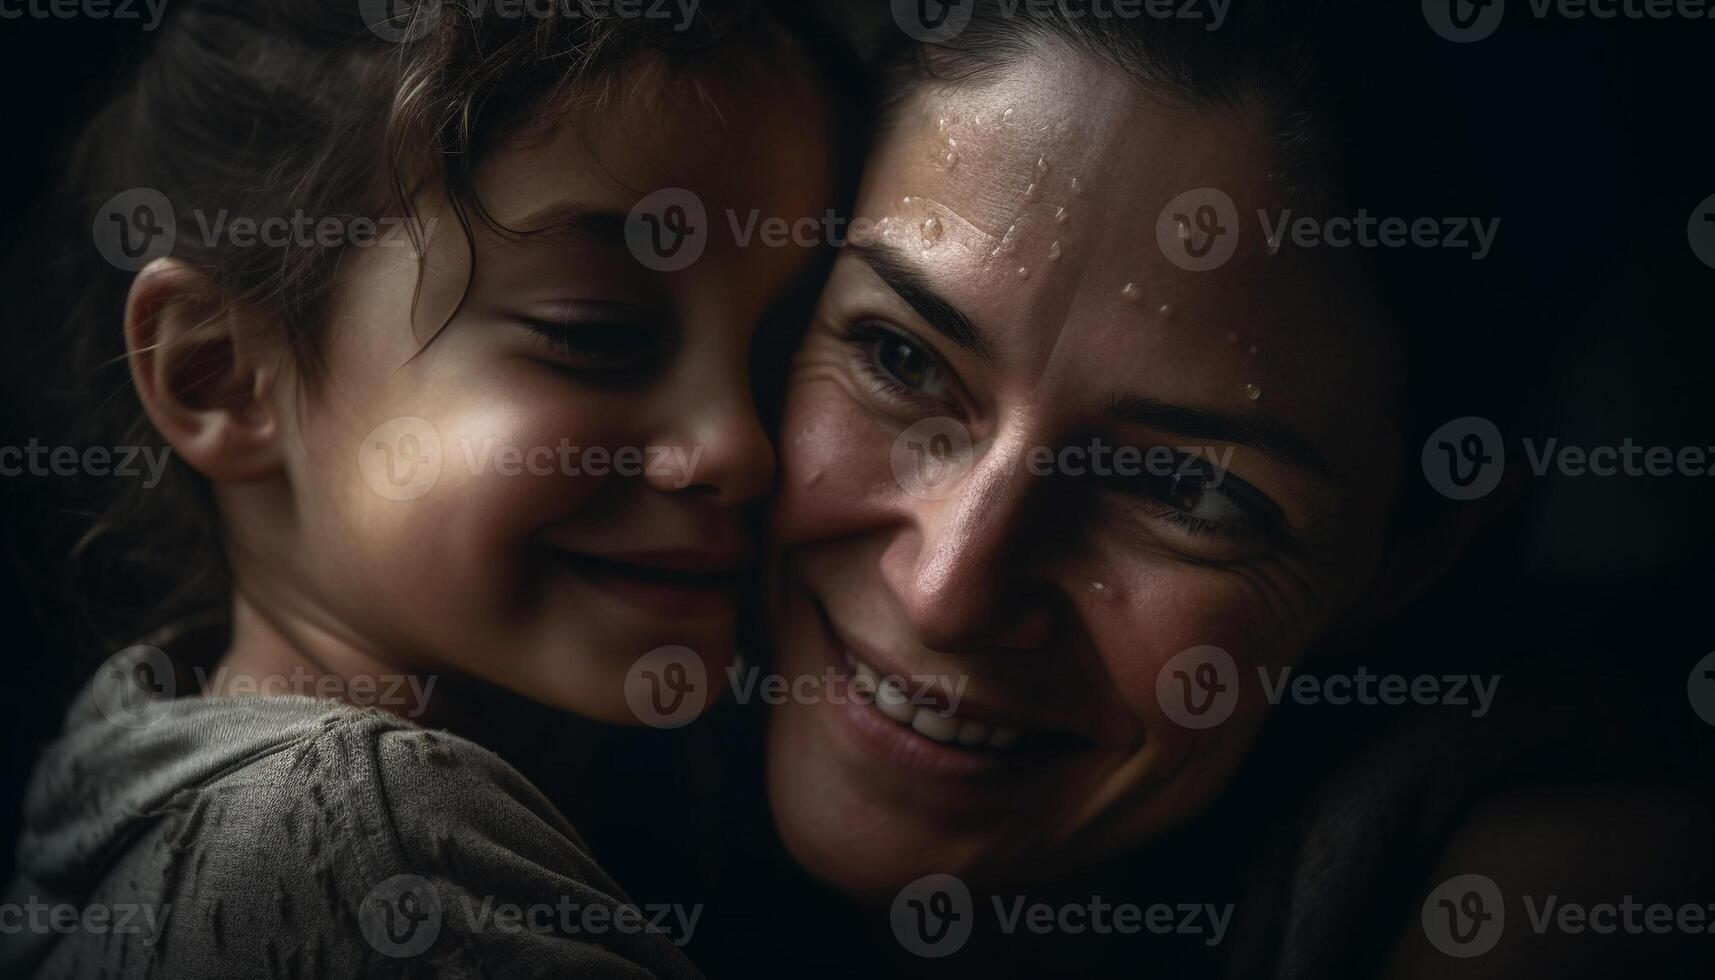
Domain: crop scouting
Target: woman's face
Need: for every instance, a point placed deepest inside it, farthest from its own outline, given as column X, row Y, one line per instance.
column 1016, row 287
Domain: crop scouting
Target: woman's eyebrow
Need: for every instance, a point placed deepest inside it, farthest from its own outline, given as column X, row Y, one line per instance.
column 1267, row 436
column 897, row 272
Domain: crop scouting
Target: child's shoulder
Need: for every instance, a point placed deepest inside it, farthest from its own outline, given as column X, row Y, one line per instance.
column 309, row 835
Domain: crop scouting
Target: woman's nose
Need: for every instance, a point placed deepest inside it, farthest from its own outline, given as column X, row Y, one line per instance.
column 721, row 452
column 960, row 574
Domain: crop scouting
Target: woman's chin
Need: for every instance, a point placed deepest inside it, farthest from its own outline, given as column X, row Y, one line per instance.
column 865, row 864
column 864, row 846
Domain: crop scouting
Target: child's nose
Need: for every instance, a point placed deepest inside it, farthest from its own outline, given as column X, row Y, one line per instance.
column 723, row 453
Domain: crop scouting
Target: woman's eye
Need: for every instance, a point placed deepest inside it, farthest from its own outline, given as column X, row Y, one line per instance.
column 908, row 365
column 1197, row 497
column 1205, row 499
column 901, row 365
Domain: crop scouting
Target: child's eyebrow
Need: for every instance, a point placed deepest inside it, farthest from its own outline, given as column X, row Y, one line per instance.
column 567, row 220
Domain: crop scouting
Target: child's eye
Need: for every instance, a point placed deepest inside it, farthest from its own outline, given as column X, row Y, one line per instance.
column 611, row 351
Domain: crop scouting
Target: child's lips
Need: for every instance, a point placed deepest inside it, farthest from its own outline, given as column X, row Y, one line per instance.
column 679, row 583
column 680, row 561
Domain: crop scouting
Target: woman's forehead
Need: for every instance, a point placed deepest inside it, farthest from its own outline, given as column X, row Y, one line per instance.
column 1033, row 208
column 1062, row 129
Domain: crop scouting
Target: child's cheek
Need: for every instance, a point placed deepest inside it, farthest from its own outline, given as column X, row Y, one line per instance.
column 528, row 464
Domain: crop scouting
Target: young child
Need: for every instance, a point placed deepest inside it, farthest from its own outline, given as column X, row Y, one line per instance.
column 440, row 321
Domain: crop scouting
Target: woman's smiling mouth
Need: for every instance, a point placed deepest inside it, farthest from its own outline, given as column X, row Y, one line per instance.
column 922, row 721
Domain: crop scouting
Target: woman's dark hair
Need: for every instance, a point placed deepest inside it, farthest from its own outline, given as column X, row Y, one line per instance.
column 330, row 109
column 1358, row 118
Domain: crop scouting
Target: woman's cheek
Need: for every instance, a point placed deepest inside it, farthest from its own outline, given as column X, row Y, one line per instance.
column 1147, row 622
column 834, row 460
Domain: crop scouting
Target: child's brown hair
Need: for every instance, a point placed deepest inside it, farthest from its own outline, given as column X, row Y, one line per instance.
column 330, row 109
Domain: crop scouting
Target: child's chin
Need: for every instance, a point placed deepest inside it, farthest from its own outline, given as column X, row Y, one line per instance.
column 657, row 677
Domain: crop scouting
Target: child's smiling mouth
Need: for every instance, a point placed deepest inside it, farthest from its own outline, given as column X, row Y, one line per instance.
column 692, row 583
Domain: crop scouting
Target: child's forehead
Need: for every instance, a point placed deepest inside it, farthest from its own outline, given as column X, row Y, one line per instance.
column 745, row 135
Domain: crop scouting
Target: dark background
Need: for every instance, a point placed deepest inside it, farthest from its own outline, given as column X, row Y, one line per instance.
column 1594, row 130
column 54, row 73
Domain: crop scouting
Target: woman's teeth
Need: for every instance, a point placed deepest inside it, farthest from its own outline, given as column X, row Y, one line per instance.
column 892, row 700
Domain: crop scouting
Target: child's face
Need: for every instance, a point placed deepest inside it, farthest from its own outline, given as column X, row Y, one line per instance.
column 540, row 512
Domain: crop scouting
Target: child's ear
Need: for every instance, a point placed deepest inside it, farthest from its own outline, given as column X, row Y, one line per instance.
column 200, row 373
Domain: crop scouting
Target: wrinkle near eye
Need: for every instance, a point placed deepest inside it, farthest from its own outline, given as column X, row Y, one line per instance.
column 1277, row 595
column 825, row 359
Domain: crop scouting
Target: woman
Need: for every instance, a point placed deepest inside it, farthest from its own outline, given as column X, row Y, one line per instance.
column 1083, row 656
